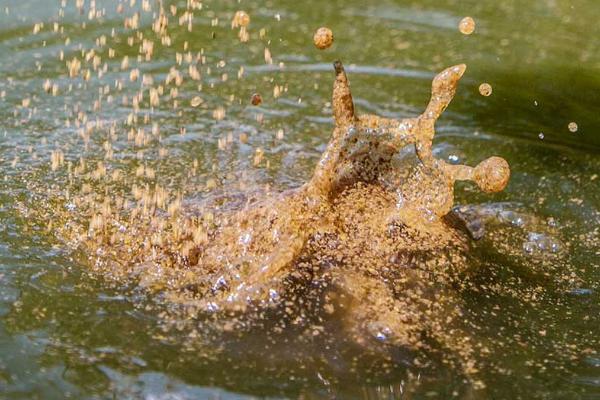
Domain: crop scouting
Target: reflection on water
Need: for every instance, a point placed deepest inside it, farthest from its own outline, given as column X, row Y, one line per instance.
column 532, row 302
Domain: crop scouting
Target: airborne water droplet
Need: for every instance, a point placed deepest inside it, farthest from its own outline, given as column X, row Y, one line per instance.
column 573, row 127
column 466, row 26
column 485, row 89
column 196, row 101
column 241, row 18
column 256, row 99
column 323, row 38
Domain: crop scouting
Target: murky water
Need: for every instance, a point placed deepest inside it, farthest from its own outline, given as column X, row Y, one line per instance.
column 67, row 331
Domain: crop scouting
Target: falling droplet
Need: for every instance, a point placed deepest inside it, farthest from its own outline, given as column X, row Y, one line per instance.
column 466, row 26
column 256, row 99
column 196, row 101
column 573, row 127
column 241, row 18
column 485, row 89
column 323, row 38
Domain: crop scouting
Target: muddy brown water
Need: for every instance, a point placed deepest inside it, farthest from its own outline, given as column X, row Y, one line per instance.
column 67, row 331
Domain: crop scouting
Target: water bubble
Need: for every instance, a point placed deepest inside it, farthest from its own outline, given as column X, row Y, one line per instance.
column 273, row 295
column 323, row 38
column 540, row 243
column 219, row 284
column 466, row 26
column 485, row 89
column 246, row 238
column 511, row 217
column 573, row 127
column 518, row 221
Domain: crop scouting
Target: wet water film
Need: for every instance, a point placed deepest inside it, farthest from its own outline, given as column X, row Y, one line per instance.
column 242, row 199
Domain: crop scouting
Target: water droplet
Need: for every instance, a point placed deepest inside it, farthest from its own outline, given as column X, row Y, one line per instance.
column 256, row 99
column 245, row 238
column 323, row 38
column 196, row 101
column 241, row 18
column 219, row 284
column 466, row 26
column 485, row 89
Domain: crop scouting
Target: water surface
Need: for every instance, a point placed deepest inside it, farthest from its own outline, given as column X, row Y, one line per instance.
column 65, row 332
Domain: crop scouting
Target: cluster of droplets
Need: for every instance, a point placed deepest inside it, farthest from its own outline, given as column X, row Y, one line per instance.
column 116, row 196
column 123, row 55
